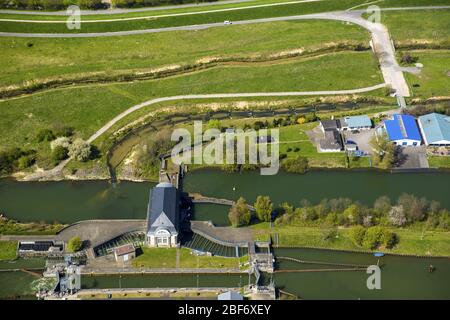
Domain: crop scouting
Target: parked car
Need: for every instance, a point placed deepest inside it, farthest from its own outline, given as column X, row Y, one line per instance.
column 351, row 142
column 355, row 131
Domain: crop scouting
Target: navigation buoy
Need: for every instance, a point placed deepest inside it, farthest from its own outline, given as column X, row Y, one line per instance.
column 234, row 188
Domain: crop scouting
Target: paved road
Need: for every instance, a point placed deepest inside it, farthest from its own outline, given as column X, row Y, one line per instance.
column 118, row 10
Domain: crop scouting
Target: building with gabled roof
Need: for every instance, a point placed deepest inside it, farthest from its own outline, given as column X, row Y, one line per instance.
column 402, row 129
column 163, row 216
column 362, row 122
column 435, row 129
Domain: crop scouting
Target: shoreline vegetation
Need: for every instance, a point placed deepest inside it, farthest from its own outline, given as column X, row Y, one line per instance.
column 411, row 225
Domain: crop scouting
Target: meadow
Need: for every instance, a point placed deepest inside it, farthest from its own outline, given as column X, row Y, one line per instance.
column 73, row 58
column 87, row 108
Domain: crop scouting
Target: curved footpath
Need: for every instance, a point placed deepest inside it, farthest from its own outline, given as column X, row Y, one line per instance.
column 53, row 173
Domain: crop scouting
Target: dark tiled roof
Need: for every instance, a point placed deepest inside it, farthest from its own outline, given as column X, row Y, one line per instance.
column 330, row 124
column 332, row 140
column 163, row 208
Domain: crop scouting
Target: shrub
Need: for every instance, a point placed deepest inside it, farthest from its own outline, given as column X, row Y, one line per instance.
column 80, row 150
column 60, row 142
column 389, row 239
column 26, row 161
column 357, row 234
column 45, row 135
column 296, row 165
column 59, row 153
column 74, row 244
column 330, row 235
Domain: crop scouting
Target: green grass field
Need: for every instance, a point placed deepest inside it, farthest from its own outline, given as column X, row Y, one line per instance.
column 87, row 108
column 435, row 243
column 166, row 258
column 8, row 250
column 74, row 58
column 434, row 79
column 425, row 27
column 173, row 21
column 439, row 162
column 328, row 5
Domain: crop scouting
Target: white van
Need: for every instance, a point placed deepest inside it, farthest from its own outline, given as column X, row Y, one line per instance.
column 227, row 22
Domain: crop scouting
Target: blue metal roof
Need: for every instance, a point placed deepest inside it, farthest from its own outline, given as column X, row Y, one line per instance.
column 435, row 127
column 402, row 126
column 358, row 121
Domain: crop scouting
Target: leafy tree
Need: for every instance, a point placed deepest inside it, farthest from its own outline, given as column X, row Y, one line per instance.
column 397, row 216
column 239, row 214
column 353, row 214
column 263, row 207
column 373, row 237
column 80, row 150
column 61, row 141
column 382, row 205
column 74, row 244
column 385, row 152
column 413, row 207
column 357, row 234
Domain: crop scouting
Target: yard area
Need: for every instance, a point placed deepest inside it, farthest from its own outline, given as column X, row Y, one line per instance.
column 411, row 241
column 8, row 250
column 167, row 258
column 439, row 161
column 426, row 27
column 434, row 79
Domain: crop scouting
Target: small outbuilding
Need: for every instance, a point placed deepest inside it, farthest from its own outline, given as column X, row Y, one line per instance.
column 125, row 253
column 230, row 295
column 402, row 130
column 435, row 129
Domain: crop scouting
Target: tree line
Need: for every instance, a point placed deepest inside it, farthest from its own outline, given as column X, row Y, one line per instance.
column 406, row 210
column 88, row 4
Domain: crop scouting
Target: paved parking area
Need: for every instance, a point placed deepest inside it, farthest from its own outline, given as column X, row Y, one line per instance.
column 362, row 139
column 413, row 158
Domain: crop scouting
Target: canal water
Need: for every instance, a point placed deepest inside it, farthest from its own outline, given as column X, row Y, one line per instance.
column 401, row 277
column 164, row 281
column 71, row 201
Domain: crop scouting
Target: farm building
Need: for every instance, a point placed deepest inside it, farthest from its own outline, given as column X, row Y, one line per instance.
column 435, row 129
column 163, row 216
column 332, row 142
column 327, row 125
column 355, row 123
column 402, row 129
